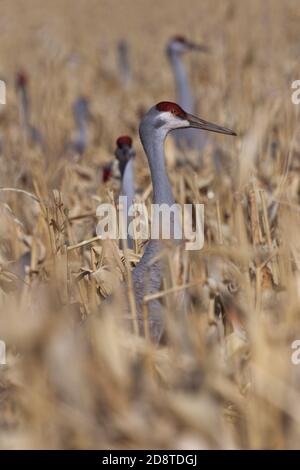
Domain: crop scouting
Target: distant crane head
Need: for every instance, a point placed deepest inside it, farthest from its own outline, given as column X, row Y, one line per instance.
column 124, row 151
column 107, row 172
column 32, row 133
column 166, row 116
column 179, row 45
column 21, row 80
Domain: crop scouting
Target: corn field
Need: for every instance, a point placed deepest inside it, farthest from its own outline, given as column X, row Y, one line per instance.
column 225, row 374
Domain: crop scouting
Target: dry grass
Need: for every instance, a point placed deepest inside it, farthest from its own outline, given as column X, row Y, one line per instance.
column 74, row 377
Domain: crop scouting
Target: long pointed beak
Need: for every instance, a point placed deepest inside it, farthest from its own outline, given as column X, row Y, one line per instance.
column 198, row 123
column 197, row 47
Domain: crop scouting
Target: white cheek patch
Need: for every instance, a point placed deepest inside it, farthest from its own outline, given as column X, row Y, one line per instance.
column 183, row 123
column 165, row 116
column 172, row 121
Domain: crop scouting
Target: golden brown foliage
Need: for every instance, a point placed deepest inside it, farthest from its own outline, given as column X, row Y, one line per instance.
column 74, row 377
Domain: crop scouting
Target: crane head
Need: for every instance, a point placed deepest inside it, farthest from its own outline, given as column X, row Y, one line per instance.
column 124, row 141
column 21, row 79
column 179, row 44
column 107, row 172
column 166, row 116
column 124, row 151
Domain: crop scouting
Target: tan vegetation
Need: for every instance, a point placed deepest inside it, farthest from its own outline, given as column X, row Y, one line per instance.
column 75, row 378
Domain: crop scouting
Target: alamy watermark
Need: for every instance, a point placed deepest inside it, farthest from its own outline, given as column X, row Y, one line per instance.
column 295, row 356
column 2, row 353
column 296, row 94
column 167, row 222
column 2, row 92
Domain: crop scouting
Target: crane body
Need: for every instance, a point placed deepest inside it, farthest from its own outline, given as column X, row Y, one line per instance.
column 125, row 154
column 154, row 128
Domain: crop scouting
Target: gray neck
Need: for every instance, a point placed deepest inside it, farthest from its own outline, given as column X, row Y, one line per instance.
column 124, row 67
column 24, row 108
column 128, row 191
column 185, row 98
column 184, row 93
column 128, row 182
column 153, row 143
column 82, row 129
column 147, row 279
column 147, row 276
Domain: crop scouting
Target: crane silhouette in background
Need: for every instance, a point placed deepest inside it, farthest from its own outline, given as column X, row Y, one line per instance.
column 177, row 47
column 32, row 134
column 124, row 63
column 125, row 154
column 81, row 115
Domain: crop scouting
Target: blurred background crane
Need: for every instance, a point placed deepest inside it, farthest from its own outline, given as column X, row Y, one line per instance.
column 177, row 47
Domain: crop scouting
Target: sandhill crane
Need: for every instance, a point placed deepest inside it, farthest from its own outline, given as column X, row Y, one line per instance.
column 176, row 48
column 107, row 172
column 81, row 114
column 154, row 127
column 125, row 154
column 118, row 168
column 31, row 133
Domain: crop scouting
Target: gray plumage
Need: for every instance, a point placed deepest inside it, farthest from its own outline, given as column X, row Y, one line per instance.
column 81, row 115
column 125, row 154
column 124, row 63
column 176, row 48
column 147, row 279
column 32, row 134
column 154, row 127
